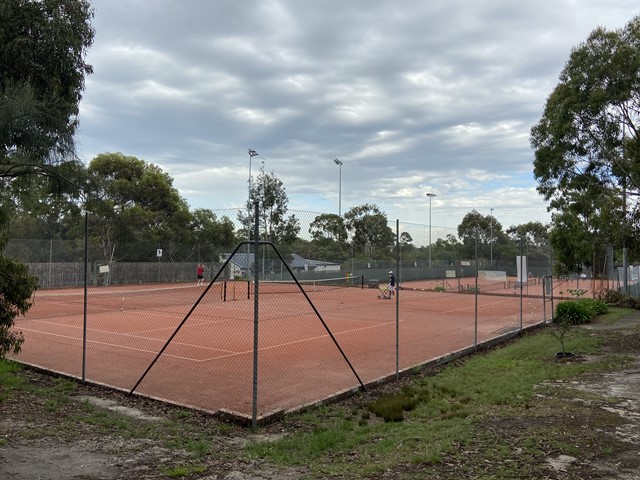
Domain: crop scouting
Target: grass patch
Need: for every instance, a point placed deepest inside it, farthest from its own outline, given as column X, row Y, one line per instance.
column 613, row 315
column 8, row 378
column 392, row 407
column 441, row 413
column 183, row 471
column 106, row 422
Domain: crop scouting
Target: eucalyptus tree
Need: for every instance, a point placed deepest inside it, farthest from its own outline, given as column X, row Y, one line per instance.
column 587, row 150
column 572, row 244
column 447, row 250
column 535, row 234
column 406, row 240
column 43, row 45
column 48, row 206
column 328, row 227
column 408, row 251
column 42, row 53
column 212, row 235
column 370, row 231
column 484, row 229
column 276, row 224
column 135, row 208
column 532, row 240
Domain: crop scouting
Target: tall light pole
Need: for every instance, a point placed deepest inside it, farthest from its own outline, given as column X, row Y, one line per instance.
column 491, row 240
column 430, row 195
column 339, row 163
column 252, row 153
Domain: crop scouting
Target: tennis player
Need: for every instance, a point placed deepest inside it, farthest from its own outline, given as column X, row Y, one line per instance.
column 392, row 283
column 200, row 273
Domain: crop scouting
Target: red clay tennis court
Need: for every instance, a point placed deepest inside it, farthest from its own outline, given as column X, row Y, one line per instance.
column 209, row 364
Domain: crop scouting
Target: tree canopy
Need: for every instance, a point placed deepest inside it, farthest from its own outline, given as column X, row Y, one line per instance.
column 135, row 202
column 587, row 155
column 369, row 229
column 43, row 44
column 276, row 224
column 328, row 227
column 42, row 50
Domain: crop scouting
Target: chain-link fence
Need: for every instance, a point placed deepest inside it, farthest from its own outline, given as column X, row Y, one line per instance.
column 293, row 313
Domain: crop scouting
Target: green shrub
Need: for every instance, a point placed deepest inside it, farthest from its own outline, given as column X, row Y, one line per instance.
column 572, row 312
column 575, row 312
column 580, row 311
column 595, row 306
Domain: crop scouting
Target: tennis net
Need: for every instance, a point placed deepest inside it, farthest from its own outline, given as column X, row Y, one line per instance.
column 309, row 286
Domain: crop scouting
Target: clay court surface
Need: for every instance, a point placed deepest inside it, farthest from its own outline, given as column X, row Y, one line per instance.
column 209, row 364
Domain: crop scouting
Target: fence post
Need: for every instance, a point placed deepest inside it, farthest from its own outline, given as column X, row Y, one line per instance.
column 256, row 297
column 85, row 297
column 397, row 292
column 475, row 306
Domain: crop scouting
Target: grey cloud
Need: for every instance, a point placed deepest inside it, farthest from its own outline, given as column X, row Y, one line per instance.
column 411, row 95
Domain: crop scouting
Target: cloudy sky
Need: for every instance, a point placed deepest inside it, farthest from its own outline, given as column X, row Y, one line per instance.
column 413, row 97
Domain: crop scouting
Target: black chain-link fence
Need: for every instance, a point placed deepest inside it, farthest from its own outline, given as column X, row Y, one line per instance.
column 294, row 318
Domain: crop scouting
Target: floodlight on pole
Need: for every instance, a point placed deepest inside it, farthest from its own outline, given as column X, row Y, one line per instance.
column 430, row 195
column 339, row 163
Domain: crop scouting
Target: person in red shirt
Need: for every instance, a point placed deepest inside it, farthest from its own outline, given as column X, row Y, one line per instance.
column 200, row 273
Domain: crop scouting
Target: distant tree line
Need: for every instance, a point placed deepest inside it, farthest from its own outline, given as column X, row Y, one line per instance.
column 133, row 210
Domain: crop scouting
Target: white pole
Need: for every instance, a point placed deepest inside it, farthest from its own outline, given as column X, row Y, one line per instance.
column 430, row 195
column 491, row 240
column 252, row 153
column 339, row 163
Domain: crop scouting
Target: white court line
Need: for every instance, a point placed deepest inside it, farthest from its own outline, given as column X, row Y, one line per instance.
column 134, row 333
column 194, row 323
column 118, row 345
column 470, row 307
column 115, row 292
column 304, row 340
column 218, row 357
column 99, row 330
column 115, row 345
column 173, row 316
